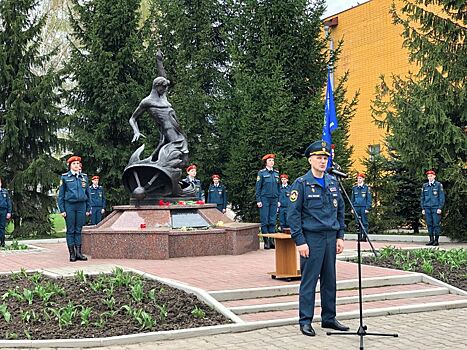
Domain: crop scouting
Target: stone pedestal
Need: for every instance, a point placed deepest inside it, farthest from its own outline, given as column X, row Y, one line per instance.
column 147, row 232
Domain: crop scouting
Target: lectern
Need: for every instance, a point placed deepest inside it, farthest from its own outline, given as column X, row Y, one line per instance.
column 286, row 257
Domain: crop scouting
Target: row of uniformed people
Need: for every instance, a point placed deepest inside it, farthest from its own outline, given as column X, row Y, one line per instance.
column 217, row 193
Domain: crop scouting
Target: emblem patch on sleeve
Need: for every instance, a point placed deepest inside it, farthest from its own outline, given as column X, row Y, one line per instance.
column 335, row 203
column 293, row 195
column 258, row 178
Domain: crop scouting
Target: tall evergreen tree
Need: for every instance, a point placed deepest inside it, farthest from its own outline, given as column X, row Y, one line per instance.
column 426, row 112
column 110, row 78
column 29, row 117
column 278, row 72
column 191, row 36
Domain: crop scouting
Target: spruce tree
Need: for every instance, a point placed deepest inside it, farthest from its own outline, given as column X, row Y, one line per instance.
column 110, row 77
column 278, row 75
column 29, row 117
column 191, row 37
column 425, row 112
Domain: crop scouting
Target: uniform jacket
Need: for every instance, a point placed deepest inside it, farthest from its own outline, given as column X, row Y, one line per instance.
column 198, row 186
column 73, row 189
column 361, row 196
column 315, row 209
column 267, row 184
column 284, row 196
column 5, row 202
column 217, row 195
column 97, row 196
column 432, row 196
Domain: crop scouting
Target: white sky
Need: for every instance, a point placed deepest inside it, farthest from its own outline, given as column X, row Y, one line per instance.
column 335, row 6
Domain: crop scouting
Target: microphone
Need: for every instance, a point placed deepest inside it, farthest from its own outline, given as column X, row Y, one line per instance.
column 335, row 172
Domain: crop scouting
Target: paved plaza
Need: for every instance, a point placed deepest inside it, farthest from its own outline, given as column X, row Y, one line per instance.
column 434, row 330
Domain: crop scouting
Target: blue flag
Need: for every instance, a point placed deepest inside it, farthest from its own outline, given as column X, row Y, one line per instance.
column 330, row 118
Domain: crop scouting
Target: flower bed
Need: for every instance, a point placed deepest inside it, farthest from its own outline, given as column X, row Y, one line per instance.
column 34, row 306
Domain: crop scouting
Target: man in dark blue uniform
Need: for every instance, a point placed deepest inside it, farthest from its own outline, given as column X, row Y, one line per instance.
column 191, row 178
column 432, row 202
column 267, row 198
column 284, row 201
column 361, row 200
column 97, row 201
column 74, row 203
column 217, row 193
column 316, row 220
column 5, row 212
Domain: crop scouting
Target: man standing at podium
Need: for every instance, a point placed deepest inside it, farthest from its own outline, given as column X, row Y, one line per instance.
column 316, row 220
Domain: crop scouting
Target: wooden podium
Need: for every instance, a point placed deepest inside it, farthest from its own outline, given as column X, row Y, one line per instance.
column 286, row 257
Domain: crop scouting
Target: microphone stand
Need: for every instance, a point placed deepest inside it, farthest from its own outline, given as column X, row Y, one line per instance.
column 361, row 332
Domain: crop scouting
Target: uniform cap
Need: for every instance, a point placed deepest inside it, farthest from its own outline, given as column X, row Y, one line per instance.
column 190, row 167
column 361, row 175
column 284, row 176
column 73, row 159
column 95, row 177
column 215, row 176
column 318, row 148
column 268, row 156
column 432, row 172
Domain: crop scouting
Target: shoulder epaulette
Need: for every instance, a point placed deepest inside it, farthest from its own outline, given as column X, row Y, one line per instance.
column 65, row 173
column 276, row 171
column 264, row 169
column 83, row 174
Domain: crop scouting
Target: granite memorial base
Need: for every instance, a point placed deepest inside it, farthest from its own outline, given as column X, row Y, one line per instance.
column 161, row 232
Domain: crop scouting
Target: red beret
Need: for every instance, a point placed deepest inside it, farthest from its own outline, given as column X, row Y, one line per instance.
column 73, row 159
column 432, row 172
column 361, row 175
column 268, row 156
column 284, row 176
column 215, row 176
column 192, row 166
column 95, row 177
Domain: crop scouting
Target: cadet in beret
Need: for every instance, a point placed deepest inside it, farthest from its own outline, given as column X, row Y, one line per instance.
column 217, row 193
column 361, row 200
column 432, row 202
column 191, row 178
column 284, row 201
column 5, row 212
column 316, row 220
column 74, row 203
column 267, row 198
column 97, row 201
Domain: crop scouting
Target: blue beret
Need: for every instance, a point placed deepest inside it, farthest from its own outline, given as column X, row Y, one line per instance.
column 318, row 148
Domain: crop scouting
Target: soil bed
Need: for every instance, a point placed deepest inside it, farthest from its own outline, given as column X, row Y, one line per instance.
column 96, row 306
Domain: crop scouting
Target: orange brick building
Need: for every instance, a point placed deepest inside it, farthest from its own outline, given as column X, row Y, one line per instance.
column 372, row 47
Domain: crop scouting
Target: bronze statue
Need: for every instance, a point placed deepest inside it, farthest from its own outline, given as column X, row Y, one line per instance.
column 159, row 175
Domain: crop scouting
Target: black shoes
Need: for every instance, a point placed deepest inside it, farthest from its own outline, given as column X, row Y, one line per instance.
column 431, row 242
column 334, row 324
column 306, row 329
column 436, row 243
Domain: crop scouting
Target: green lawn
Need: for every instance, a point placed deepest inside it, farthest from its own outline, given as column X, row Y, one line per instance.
column 58, row 223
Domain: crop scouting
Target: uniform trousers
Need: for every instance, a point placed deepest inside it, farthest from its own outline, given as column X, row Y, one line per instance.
column 75, row 219
column 96, row 215
column 321, row 264
column 433, row 221
column 363, row 216
column 268, row 214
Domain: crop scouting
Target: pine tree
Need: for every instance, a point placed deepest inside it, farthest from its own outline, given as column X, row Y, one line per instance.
column 110, row 75
column 29, row 117
column 425, row 113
